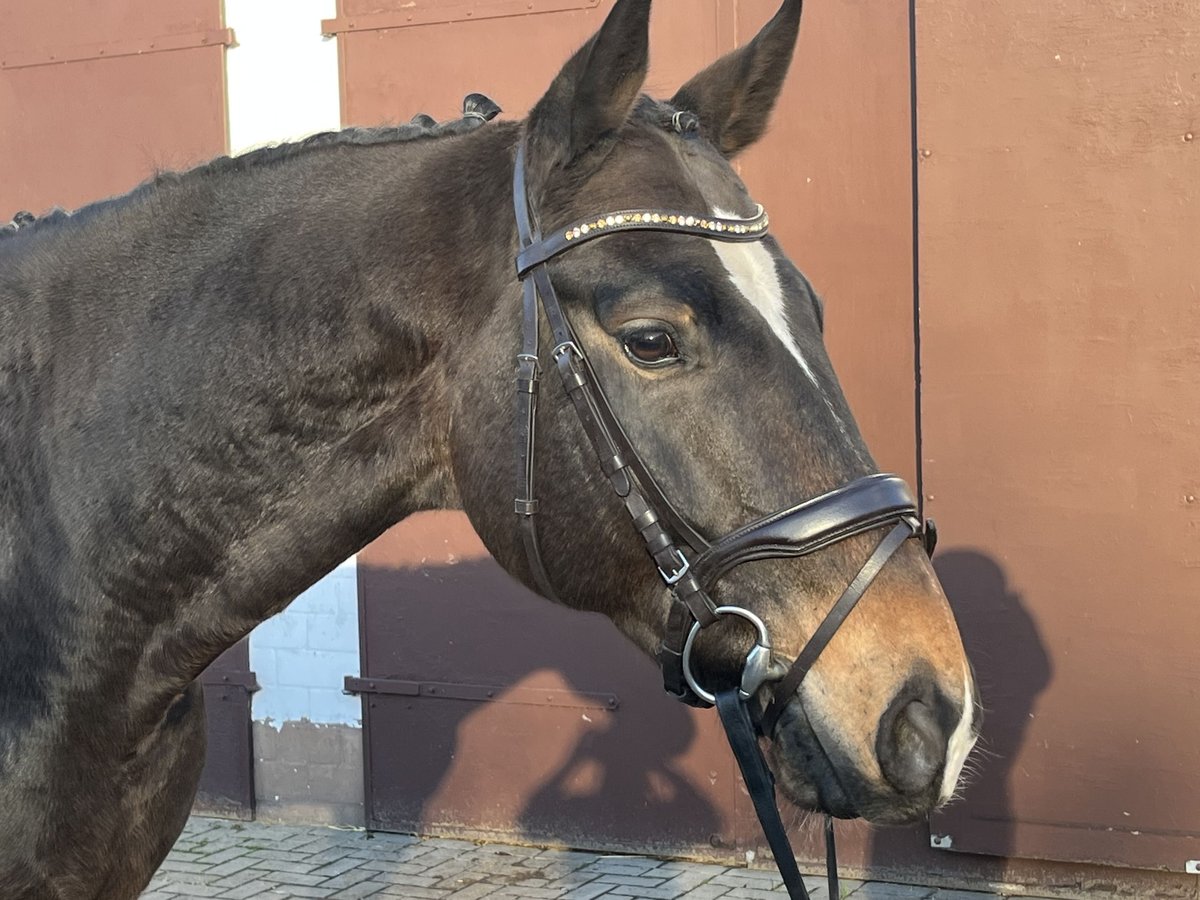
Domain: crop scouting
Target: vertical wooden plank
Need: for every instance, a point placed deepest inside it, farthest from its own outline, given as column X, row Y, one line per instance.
column 226, row 786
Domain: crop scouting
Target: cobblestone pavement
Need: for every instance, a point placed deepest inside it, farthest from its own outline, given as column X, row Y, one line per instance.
column 239, row 861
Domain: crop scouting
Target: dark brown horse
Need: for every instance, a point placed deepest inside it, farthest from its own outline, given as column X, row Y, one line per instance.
column 219, row 386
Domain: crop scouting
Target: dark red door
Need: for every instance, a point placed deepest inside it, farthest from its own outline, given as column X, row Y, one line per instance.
column 1060, row 351
column 227, row 782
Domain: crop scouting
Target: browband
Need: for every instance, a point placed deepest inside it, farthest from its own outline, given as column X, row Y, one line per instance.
column 724, row 229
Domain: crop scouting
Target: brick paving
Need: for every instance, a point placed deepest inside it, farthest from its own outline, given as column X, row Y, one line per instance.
column 242, row 861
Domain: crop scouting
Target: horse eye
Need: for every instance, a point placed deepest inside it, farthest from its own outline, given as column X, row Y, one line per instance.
column 651, row 348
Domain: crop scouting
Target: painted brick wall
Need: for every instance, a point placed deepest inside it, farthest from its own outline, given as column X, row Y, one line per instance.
column 302, row 655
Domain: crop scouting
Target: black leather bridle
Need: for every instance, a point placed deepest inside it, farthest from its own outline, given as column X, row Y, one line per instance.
column 690, row 565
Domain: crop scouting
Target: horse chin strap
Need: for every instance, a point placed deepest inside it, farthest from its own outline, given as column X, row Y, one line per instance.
column 689, row 564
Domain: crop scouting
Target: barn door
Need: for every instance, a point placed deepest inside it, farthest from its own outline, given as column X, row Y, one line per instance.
column 227, row 782
column 1060, row 345
column 488, row 711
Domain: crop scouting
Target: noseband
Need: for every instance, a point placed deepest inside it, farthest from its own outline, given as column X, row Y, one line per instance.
column 689, row 564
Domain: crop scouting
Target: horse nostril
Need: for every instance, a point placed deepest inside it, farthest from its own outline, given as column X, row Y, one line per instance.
column 912, row 747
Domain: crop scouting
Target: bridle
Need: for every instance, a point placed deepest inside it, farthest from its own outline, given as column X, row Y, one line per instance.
column 689, row 564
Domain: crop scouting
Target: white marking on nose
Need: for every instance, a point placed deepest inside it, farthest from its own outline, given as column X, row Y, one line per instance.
column 752, row 270
column 961, row 742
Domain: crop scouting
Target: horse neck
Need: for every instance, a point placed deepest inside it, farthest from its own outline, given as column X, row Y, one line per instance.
column 307, row 408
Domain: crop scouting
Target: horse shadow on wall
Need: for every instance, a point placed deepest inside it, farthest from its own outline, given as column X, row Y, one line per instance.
column 1012, row 669
column 570, row 770
column 555, row 763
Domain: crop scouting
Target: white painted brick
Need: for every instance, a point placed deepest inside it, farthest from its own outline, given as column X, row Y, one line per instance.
column 302, row 656
column 330, row 705
column 310, row 668
column 277, row 704
column 336, row 632
column 286, row 631
column 262, row 664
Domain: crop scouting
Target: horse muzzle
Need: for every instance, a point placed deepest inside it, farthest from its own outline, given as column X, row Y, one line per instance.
column 921, row 741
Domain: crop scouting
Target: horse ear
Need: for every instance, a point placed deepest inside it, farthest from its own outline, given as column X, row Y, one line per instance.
column 592, row 96
column 735, row 95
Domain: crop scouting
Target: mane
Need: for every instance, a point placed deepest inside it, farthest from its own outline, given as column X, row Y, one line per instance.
column 477, row 110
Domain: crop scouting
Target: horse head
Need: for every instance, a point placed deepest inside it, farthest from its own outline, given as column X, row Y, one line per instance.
column 705, row 345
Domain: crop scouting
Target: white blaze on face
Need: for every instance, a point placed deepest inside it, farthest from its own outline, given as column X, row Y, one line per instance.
column 961, row 742
column 752, row 270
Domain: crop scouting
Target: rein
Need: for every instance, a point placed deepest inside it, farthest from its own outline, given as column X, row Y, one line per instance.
column 689, row 564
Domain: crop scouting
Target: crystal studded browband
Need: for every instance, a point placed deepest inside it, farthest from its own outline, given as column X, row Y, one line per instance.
column 723, row 229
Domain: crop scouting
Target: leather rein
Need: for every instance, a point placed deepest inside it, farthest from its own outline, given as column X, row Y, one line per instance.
column 689, row 564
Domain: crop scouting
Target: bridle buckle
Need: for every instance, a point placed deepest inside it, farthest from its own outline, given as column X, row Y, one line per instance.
column 675, row 577
column 564, row 348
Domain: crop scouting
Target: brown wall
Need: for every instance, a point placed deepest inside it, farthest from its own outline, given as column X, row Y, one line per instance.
column 1060, row 326
column 836, row 173
column 93, row 102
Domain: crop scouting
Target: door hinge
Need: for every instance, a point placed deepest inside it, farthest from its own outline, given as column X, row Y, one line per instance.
column 25, row 59
column 439, row 12
column 482, row 693
column 246, row 680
